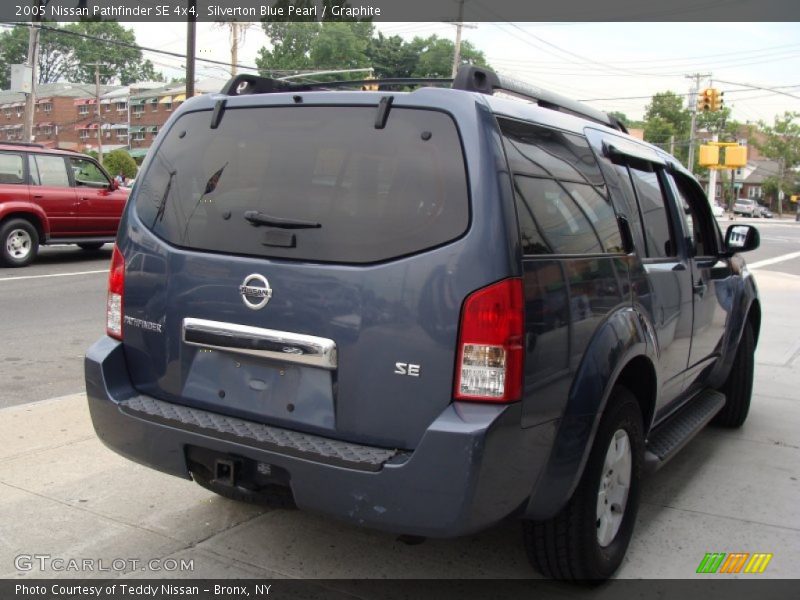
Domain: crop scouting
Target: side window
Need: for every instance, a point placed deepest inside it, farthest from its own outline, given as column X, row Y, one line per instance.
column 562, row 202
column 550, row 220
column 87, row 173
column 11, row 168
column 654, row 212
column 692, row 201
column 51, row 170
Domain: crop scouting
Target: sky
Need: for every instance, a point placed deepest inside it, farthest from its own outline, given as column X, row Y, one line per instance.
column 612, row 66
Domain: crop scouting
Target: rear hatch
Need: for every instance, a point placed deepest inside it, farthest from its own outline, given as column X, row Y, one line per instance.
column 292, row 266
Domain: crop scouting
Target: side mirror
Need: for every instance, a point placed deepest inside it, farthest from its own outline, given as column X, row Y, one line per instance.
column 741, row 238
column 114, row 185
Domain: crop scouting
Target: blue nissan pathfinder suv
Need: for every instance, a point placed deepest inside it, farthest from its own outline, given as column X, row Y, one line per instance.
column 422, row 310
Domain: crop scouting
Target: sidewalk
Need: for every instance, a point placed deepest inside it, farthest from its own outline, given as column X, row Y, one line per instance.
column 63, row 494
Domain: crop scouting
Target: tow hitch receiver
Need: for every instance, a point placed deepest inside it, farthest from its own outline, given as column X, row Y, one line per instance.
column 226, row 471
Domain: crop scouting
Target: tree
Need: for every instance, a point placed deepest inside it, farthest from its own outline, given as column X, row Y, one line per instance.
column 55, row 55
column 781, row 142
column 119, row 161
column 392, row 57
column 64, row 56
column 340, row 45
column 666, row 118
column 436, row 56
column 121, row 63
column 291, row 46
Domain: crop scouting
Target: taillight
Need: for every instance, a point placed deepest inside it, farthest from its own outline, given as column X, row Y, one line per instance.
column 116, row 287
column 490, row 348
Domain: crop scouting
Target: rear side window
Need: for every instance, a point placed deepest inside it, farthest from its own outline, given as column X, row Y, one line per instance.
column 49, row 170
column 308, row 183
column 655, row 216
column 562, row 202
column 11, row 168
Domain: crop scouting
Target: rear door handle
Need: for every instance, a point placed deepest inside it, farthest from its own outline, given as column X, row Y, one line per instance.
column 37, row 196
column 700, row 288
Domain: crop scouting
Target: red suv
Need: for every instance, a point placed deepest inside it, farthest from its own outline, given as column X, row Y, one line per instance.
column 54, row 197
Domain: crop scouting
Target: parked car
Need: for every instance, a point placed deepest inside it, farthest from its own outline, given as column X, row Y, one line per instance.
column 717, row 210
column 764, row 211
column 54, row 197
column 422, row 311
column 746, row 207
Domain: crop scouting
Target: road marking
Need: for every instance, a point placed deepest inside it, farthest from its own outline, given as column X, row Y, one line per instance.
column 52, row 275
column 773, row 260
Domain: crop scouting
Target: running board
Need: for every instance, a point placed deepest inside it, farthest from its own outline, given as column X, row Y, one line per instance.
column 666, row 440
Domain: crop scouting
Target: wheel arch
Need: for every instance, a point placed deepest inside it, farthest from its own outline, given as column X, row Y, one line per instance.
column 39, row 221
column 621, row 351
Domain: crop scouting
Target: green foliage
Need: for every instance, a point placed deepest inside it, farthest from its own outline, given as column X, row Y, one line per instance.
column 781, row 142
column 311, row 45
column 665, row 117
column 65, row 57
column 119, row 161
column 392, row 57
column 436, row 56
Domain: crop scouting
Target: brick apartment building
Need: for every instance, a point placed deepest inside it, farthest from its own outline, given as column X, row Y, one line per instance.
column 66, row 114
column 62, row 109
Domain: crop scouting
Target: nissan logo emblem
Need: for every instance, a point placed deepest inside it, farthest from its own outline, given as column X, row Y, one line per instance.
column 255, row 291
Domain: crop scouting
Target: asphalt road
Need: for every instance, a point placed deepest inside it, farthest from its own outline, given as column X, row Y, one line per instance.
column 52, row 311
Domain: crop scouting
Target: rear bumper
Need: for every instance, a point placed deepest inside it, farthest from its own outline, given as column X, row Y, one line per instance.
column 474, row 466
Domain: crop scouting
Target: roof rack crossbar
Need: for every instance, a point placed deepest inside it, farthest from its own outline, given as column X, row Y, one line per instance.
column 476, row 79
column 244, row 85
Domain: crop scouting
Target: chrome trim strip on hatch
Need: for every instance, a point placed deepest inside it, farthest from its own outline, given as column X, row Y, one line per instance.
column 284, row 346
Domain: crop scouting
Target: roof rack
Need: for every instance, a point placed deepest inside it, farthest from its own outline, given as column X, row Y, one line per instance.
column 476, row 79
column 469, row 78
column 245, row 84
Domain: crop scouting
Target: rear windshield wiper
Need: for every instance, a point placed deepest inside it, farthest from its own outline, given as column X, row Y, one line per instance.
column 257, row 219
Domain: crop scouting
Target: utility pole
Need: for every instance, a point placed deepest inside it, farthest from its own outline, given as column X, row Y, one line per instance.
column 191, row 35
column 33, row 62
column 99, row 112
column 459, row 26
column 234, row 46
column 781, row 166
column 693, row 108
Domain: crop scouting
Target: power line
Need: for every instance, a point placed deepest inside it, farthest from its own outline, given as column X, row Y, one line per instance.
column 732, row 91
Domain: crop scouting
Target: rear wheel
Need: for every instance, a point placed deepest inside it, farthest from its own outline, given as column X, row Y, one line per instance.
column 738, row 388
column 587, row 540
column 20, row 243
column 91, row 246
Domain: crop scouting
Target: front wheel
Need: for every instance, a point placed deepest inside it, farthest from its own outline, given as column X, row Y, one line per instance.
column 738, row 388
column 20, row 243
column 588, row 539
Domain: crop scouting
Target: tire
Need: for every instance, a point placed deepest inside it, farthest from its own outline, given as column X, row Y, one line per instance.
column 579, row 544
column 738, row 388
column 19, row 243
column 272, row 496
column 91, row 245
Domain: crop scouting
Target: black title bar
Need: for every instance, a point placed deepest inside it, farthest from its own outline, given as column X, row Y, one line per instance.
column 402, row 10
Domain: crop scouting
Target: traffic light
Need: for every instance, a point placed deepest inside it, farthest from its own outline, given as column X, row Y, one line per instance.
column 735, row 157
column 708, row 155
column 717, row 101
column 704, row 99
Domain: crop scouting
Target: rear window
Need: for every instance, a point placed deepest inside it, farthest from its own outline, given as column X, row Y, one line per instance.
column 308, row 183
